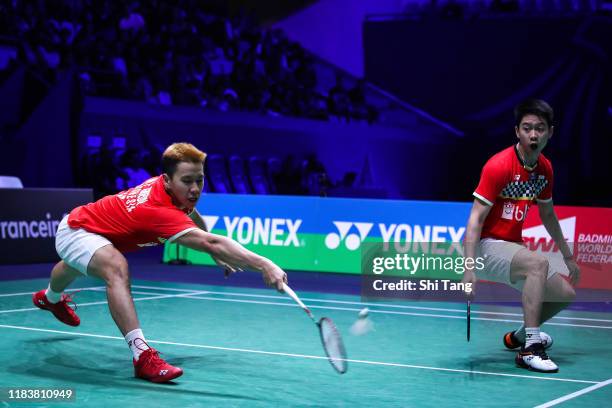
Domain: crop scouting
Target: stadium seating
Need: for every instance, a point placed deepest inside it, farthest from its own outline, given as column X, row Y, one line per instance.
column 217, row 171
column 257, row 174
column 238, row 176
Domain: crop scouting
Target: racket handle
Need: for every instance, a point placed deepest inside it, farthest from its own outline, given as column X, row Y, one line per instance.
column 297, row 300
column 469, row 318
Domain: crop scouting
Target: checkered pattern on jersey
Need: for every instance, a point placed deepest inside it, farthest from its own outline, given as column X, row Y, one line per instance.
column 524, row 190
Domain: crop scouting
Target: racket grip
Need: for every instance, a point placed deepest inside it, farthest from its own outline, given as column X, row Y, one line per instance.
column 469, row 319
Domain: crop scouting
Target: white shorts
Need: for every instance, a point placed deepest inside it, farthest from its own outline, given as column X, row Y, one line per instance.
column 76, row 247
column 498, row 256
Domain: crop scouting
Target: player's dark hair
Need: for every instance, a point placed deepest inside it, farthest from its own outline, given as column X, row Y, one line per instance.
column 536, row 107
column 180, row 152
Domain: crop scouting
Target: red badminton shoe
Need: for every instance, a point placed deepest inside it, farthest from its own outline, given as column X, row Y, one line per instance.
column 153, row 368
column 61, row 310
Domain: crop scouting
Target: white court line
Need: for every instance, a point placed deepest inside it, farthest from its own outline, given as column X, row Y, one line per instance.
column 94, row 288
column 260, row 302
column 575, row 394
column 104, row 302
column 392, row 312
column 323, row 300
column 306, row 356
column 192, row 295
column 192, row 291
column 167, row 289
column 438, row 309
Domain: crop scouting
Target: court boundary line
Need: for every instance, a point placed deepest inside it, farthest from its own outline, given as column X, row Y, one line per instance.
column 373, row 304
column 92, row 288
column 575, row 394
column 392, row 312
column 190, row 291
column 104, row 302
column 306, row 356
column 192, row 294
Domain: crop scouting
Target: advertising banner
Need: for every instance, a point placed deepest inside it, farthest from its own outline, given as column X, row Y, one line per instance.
column 328, row 234
column 588, row 231
column 28, row 221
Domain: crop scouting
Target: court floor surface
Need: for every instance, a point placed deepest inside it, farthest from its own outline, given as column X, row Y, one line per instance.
column 255, row 347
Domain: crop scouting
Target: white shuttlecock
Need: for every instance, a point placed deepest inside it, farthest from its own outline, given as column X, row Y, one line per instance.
column 363, row 325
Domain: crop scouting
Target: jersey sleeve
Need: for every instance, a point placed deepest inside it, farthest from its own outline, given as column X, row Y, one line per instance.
column 492, row 181
column 171, row 224
column 546, row 194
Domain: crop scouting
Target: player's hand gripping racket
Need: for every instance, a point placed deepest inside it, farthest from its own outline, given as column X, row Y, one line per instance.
column 330, row 336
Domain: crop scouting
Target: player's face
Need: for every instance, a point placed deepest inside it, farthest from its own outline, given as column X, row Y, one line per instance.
column 533, row 133
column 186, row 184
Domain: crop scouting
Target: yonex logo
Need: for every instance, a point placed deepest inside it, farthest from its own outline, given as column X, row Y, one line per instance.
column 163, row 372
column 351, row 241
column 256, row 230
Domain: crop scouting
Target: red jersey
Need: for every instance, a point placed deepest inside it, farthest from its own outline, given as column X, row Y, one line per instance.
column 510, row 190
column 139, row 217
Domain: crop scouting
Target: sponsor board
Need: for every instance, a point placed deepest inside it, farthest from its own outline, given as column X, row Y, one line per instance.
column 327, row 234
column 28, row 222
column 588, row 230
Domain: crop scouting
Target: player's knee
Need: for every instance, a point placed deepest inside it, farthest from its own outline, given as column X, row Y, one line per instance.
column 118, row 276
column 539, row 265
column 117, row 273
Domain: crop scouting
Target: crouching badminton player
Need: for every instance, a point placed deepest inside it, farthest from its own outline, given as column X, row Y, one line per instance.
column 91, row 239
column 511, row 181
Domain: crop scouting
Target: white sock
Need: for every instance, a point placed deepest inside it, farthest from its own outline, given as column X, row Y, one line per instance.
column 532, row 335
column 136, row 341
column 520, row 333
column 52, row 297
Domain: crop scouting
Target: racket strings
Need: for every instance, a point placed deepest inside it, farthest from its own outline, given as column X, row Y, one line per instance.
column 333, row 345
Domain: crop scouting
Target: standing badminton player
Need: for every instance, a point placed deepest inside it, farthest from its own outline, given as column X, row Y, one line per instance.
column 511, row 181
column 91, row 239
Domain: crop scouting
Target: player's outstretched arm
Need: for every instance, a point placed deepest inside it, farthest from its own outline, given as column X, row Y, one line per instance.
column 232, row 253
column 478, row 214
column 551, row 223
column 199, row 221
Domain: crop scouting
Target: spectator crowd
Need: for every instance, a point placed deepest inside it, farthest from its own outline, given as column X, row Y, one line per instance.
column 176, row 53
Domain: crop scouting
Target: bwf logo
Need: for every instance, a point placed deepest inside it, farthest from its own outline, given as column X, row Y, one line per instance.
column 352, row 241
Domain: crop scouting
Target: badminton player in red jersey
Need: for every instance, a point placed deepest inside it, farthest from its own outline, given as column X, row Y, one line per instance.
column 511, row 181
column 91, row 239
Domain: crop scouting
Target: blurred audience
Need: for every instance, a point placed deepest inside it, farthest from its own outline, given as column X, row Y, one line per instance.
column 174, row 53
column 102, row 172
column 109, row 171
column 473, row 8
column 133, row 171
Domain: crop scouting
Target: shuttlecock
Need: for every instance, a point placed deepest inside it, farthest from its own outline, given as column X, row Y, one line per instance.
column 363, row 324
